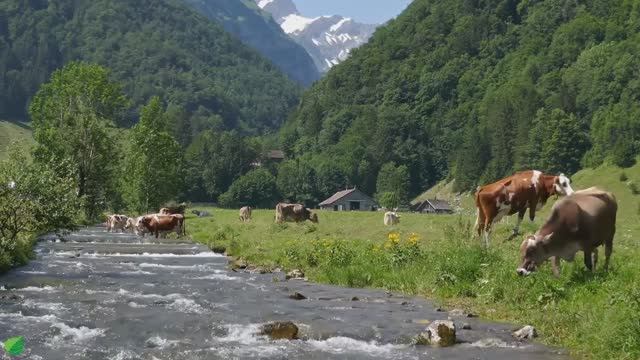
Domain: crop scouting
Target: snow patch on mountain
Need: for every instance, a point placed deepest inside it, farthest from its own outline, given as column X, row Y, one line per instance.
column 328, row 39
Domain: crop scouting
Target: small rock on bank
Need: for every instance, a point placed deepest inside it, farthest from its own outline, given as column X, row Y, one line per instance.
column 280, row 330
column 438, row 333
column 526, row 333
column 295, row 274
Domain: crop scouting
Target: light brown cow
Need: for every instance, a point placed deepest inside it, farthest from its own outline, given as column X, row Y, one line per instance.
column 294, row 212
column 245, row 213
column 515, row 194
column 116, row 222
column 157, row 224
column 580, row 222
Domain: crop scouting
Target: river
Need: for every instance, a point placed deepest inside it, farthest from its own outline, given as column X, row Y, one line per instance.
column 112, row 296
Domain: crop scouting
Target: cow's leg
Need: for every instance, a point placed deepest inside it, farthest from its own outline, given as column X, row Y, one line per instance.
column 587, row 259
column 533, row 206
column 479, row 221
column 555, row 266
column 594, row 258
column 516, row 230
column 487, row 231
column 608, row 249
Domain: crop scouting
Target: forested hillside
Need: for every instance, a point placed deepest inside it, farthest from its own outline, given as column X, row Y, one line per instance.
column 153, row 47
column 257, row 29
column 475, row 90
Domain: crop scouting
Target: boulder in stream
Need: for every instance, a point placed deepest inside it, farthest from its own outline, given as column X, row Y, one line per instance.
column 279, row 330
column 438, row 333
column 526, row 333
column 297, row 296
column 295, row 274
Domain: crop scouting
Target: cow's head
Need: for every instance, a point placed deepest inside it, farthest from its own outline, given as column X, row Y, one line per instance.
column 532, row 253
column 562, row 185
column 314, row 218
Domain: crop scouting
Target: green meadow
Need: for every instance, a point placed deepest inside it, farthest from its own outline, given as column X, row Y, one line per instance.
column 14, row 132
column 594, row 315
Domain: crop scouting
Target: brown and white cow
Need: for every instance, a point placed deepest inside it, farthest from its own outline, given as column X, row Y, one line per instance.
column 515, row 194
column 294, row 212
column 391, row 218
column 157, row 224
column 580, row 222
column 116, row 222
column 134, row 225
column 245, row 213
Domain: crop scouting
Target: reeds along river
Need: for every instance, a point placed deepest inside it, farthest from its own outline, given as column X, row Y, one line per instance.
column 109, row 296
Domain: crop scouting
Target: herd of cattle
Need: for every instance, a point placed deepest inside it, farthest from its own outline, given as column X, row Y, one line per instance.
column 580, row 221
column 164, row 222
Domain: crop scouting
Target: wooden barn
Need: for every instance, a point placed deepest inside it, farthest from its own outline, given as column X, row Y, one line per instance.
column 432, row 206
column 349, row 200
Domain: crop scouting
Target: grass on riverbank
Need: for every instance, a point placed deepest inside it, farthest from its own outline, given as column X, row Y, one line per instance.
column 596, row 316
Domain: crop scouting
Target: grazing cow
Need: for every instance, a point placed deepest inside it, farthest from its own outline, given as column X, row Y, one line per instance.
column 391, row 218
column 521, row 191
column 158, row 223
column 580, row 222
column 245, row 213
column 294, row 212
column 116, row 222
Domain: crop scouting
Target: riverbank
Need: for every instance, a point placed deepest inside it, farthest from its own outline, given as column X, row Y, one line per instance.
column 596, row 315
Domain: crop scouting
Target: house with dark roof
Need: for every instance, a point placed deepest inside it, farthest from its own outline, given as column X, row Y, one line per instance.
column 432, row 206
column 349, row 200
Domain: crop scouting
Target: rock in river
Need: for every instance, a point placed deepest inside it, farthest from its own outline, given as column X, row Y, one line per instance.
column 280, row 330
column 527, row 332
column 297, row 296
column 438, row 333
column 295, row 274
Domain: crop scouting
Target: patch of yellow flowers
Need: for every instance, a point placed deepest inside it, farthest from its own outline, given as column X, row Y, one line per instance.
column 394, row 239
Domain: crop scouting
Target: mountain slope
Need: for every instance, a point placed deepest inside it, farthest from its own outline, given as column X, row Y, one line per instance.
column 244, row 20
column 328, row 39
column 476, row 90
column 154, row 47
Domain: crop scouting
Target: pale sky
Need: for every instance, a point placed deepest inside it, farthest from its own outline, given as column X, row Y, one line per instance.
column 365, row 11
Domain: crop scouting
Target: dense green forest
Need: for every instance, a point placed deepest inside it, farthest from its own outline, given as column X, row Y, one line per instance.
column 257, row 29
column 474, row 90
column 154, row 48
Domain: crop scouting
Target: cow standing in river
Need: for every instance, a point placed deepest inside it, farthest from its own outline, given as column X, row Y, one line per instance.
column 582, row 221
column 515, row 194
column 116, row 222
column 157, row 224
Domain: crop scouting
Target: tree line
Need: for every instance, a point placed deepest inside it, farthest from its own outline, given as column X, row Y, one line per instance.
column 154, row 48
column 475, row 90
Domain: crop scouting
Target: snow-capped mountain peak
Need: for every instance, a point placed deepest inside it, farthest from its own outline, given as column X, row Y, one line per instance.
column 328, row 39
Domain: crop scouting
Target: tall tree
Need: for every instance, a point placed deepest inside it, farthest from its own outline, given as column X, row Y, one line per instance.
column 72, row 118
column 152, row 166
column 393, row 183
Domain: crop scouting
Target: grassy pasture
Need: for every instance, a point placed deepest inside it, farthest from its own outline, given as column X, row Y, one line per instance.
column 595, row 315
column 11, row 132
